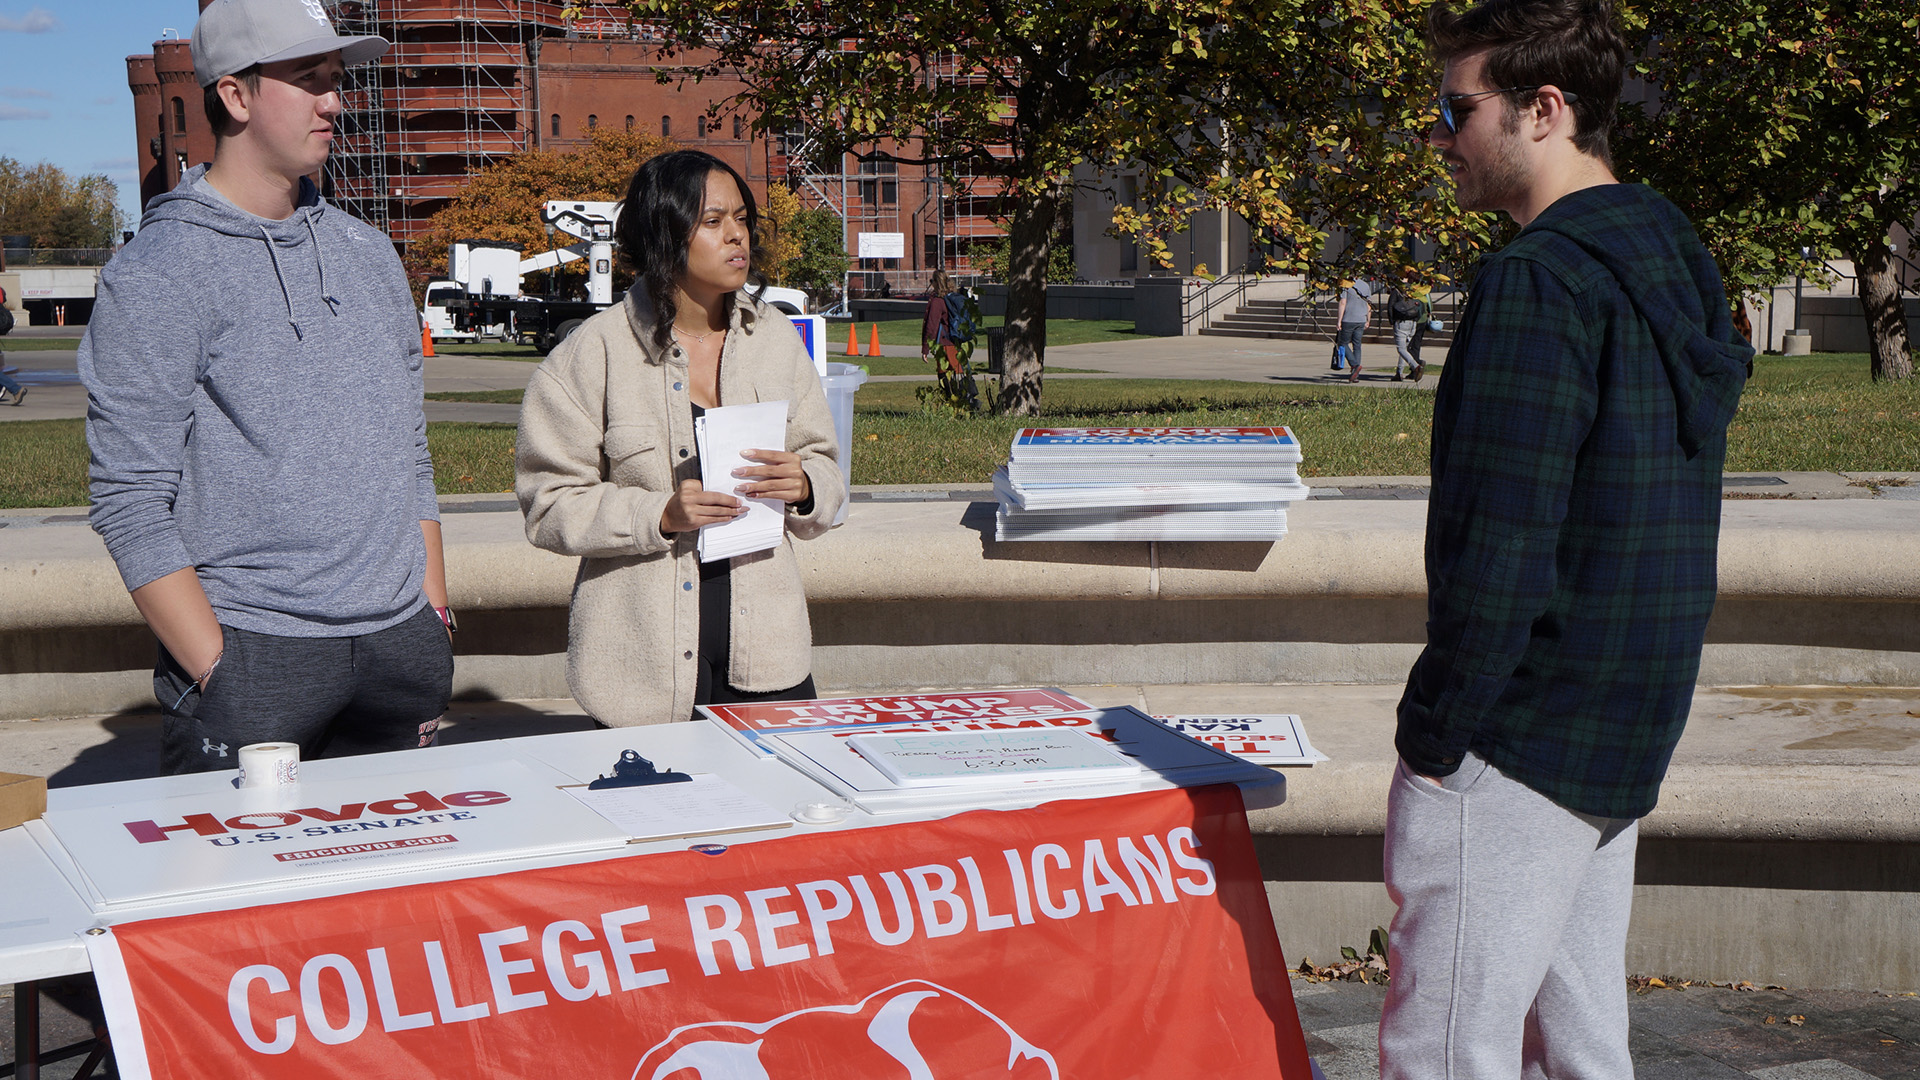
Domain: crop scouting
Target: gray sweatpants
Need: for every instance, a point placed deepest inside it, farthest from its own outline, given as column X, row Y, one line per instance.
column 333, row 695
column 1509, row 949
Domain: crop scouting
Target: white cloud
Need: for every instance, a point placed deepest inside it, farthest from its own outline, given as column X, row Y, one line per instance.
column 15, row 112
column 25, row 92
column 35, row 21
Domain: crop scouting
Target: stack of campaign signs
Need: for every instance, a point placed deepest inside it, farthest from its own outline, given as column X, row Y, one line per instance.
column 917, row 753
column 1262, row 738
column 1148, row 484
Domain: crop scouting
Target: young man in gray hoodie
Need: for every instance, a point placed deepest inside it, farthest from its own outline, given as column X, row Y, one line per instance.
column 260, row 470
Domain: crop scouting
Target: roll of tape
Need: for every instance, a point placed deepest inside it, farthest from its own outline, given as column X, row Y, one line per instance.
column 269, row 764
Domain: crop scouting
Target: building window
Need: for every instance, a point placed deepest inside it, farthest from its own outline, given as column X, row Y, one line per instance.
column 629, row 123
column 889, row 193
column 593, row 121
column 556, row 125
column 180, row 164
column 738, row 124
column 701, row 127
column 666, row 127
column 179, row 117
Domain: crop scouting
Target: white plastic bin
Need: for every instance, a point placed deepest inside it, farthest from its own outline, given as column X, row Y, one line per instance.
column 840, row 383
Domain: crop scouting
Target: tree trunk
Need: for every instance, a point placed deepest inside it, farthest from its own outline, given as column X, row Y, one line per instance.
column 1888, row 345
column 1029, row 240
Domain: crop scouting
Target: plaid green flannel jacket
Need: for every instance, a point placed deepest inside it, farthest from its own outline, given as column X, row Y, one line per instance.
column 1579, row 431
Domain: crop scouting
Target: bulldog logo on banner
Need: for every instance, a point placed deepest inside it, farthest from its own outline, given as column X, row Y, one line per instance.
column 1095, row 939
column 928, row 1031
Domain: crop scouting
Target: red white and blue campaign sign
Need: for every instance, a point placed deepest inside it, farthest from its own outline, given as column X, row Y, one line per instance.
column 1275, row 437
column 1095, row 939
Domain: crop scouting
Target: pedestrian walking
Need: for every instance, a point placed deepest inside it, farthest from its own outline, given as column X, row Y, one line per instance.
column 1410, row 312
column 11, row 392
column 260, row 469
column 1579, row 433
column 1353, row 314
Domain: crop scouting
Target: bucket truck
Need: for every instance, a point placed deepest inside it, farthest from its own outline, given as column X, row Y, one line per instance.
column 488, row 274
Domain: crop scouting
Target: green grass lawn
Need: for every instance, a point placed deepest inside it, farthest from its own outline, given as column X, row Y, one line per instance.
column 38, row 344
column 499, row 350
column 1818, row 413
column 1823, row 412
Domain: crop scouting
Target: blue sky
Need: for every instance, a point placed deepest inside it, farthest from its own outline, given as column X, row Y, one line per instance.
column 63, row 82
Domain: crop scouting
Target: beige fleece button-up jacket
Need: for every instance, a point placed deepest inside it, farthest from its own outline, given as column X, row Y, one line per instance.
column 606, row 436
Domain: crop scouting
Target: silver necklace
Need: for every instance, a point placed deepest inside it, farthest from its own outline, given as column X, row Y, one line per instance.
column 701, row 338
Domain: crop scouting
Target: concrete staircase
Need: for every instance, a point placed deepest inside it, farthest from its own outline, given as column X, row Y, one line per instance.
column 1301, row 320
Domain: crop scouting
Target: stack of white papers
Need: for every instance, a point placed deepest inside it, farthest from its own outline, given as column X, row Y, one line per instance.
column 1167, row 759
column 1148, row 484
column 722, row 436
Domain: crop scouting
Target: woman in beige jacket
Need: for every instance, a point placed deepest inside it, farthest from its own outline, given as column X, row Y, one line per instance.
column 608, row 470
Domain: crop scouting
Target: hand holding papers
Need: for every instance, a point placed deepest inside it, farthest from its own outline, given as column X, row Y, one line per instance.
column 723, row 435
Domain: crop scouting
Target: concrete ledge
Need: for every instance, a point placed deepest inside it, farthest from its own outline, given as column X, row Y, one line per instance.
column 918, row 593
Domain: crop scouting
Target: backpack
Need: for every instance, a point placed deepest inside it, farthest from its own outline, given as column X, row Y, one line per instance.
column 1405, row 308
column 6, row 320
column 960, row 322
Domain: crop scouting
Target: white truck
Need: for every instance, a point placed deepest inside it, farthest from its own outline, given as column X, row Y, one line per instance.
column 484, row 295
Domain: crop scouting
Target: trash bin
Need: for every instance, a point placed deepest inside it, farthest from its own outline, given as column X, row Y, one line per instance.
column 996, row 350
column 840, row 382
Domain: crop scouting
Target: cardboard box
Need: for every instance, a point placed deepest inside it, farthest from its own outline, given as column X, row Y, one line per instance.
column 22, row 799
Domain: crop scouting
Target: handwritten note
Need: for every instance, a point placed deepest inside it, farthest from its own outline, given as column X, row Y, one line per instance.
column 922, row 759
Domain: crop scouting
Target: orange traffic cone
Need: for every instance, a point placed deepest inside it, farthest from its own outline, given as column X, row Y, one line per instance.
column 853, row 340
column 873, row 341
column 426, row 340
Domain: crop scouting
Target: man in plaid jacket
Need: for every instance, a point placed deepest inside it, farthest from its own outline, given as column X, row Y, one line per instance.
column 1578, row 436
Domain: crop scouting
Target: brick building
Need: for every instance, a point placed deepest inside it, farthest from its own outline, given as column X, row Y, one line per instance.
column 469, row 82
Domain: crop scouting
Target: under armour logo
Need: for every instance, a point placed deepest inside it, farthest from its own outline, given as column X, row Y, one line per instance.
column 319, row 13
column 207, row 747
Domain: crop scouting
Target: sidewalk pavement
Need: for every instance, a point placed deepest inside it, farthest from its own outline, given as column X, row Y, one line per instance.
column 1691, row 1033
column 1695, row 1033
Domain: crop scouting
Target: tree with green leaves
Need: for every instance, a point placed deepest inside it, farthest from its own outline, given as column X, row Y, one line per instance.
column 55, row 209
column 801, row 247
column 1789, row 131
column 1308, row 119
column 1021, row 94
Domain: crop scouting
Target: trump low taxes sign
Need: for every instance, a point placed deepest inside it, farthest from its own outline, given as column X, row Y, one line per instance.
column 1093, row 939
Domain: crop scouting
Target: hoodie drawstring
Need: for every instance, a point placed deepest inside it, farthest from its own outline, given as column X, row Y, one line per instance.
column 286, row 295
column 320, row 259
column 282, row 279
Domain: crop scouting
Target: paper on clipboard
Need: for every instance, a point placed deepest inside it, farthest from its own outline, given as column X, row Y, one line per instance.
column 722, row 436
column 704, row 805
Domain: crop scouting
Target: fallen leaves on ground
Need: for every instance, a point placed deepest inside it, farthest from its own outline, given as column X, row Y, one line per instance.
column 1371, row 969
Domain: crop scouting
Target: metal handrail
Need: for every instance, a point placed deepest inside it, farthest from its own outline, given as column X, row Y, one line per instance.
column 1906, row 276
column 1236, row 285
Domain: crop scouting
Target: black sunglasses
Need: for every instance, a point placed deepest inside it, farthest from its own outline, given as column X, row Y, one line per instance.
column 1445, row 101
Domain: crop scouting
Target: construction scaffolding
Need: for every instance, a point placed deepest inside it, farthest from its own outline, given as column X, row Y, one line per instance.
column 450, row 98
column 953, row 211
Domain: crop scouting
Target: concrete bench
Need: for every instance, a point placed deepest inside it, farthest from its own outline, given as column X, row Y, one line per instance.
column 1783, row 849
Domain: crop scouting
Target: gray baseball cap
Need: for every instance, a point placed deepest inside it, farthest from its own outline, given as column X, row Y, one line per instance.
column 233, row 35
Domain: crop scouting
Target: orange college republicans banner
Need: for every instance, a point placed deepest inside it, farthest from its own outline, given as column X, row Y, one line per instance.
column 1094, row 940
